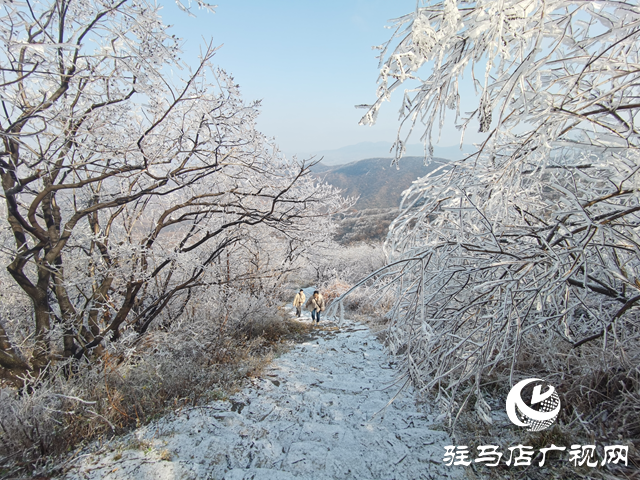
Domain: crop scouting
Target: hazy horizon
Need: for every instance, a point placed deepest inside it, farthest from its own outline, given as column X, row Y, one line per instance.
column 366, row 150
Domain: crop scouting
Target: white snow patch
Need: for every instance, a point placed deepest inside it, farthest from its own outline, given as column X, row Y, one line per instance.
column 317, row 413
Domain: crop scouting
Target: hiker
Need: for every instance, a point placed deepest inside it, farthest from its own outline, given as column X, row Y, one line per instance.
column 298, row 302
column 316, row 305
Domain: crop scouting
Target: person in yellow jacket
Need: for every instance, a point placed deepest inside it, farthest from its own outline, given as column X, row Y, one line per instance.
column 298, row 302
column 316, row 305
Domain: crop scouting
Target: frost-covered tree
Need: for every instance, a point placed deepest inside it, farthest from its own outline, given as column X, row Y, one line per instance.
column 533, row 238
column 126, row 176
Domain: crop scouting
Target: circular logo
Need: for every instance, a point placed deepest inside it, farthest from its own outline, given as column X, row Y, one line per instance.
column 538, row 414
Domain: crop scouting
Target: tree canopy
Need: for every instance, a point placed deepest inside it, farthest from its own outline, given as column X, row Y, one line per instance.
column 126, row 176
column 533, row 239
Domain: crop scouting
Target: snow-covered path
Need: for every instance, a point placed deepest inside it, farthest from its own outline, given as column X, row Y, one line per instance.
column 317, row 413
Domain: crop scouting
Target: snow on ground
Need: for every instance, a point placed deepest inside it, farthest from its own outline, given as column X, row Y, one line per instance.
column 318, row 412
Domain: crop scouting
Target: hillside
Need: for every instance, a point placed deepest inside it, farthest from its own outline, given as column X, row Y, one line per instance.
column 370, row 225
column 378, row 183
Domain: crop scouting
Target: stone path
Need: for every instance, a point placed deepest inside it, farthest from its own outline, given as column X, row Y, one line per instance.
column 317, row 413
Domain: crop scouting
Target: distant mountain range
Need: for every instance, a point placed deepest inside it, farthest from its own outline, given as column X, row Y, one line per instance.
column 375, row 180
column 367, row 150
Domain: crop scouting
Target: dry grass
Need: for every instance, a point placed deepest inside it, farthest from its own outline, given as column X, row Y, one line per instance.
column 334, row 289
column 600, row 396
column 169, row 371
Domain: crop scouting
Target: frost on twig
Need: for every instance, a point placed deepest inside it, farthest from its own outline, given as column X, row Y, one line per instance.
column 130, row 193
column 534, row 237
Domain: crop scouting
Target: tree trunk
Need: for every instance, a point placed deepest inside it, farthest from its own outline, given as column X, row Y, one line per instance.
column 12, row 367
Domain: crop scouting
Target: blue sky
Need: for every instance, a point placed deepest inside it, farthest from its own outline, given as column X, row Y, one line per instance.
column 309, row 62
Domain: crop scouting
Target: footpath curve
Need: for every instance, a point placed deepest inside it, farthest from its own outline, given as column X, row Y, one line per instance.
column 318, row 412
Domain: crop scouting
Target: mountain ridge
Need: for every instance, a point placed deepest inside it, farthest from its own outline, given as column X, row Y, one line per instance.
column 376, row 182
column 368, row 150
